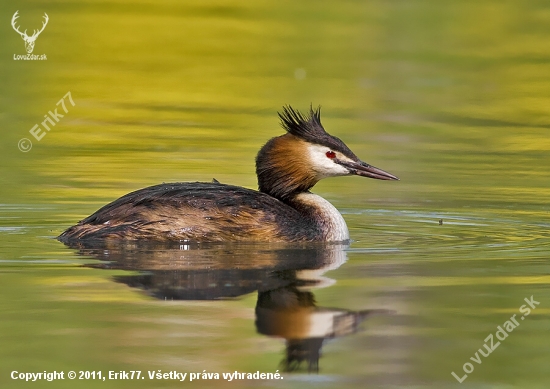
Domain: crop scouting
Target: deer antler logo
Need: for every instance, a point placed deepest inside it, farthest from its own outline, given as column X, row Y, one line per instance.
column 29, row 40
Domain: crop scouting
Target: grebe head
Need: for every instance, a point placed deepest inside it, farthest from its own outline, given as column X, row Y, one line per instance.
column 294, row 162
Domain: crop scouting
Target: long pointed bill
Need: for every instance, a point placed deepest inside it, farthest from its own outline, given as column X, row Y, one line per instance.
column 365, row 170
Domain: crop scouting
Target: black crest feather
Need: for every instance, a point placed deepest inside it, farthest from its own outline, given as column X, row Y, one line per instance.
column 309, row 128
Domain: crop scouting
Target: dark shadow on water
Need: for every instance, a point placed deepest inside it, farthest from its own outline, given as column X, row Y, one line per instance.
column 283, row 275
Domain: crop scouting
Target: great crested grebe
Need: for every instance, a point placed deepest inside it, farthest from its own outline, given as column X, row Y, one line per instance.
column 283, row 210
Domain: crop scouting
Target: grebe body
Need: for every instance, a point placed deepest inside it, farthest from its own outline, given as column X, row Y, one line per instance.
column 283, row 210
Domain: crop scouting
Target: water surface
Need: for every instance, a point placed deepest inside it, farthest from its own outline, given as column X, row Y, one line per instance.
column 452, row 97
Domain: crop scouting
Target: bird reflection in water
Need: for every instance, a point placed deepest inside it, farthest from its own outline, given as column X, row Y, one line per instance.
column 283, row 275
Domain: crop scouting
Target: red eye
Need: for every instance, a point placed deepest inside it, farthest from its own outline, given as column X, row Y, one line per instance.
column 331, row 154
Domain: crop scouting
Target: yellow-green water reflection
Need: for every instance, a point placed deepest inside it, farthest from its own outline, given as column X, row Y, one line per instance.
column 452, row 97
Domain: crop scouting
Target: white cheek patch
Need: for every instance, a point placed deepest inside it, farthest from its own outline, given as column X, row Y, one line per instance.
column 323, row 165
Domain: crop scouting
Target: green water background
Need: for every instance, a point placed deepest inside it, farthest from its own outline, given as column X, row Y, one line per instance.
column 452, row 97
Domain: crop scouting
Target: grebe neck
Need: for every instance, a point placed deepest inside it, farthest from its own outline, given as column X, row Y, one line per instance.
column 323, row 214
column 283, row 169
